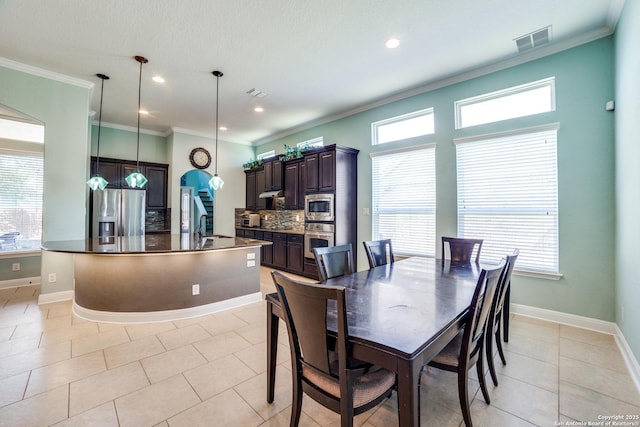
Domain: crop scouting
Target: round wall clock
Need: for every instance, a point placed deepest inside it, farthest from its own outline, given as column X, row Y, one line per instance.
column 200, row 158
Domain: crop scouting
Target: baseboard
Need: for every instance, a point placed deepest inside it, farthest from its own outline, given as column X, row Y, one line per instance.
column 602, row 326
column 16, row 283
column 164, row 316
column 55, row 297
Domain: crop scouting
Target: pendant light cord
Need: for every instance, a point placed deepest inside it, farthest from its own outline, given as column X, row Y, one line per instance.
column 99, row 126
column 138, row 140
column 217, row 97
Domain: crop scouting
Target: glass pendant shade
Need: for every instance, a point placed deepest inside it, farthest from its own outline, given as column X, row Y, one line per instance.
column 216, row 182
column 97, row 183
column 136, row 180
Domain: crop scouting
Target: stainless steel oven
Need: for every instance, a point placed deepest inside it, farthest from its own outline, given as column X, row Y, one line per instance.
column 318, row 235
column 319, row 207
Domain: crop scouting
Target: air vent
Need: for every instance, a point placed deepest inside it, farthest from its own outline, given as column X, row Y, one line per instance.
column 256, row 93
column 534, row 39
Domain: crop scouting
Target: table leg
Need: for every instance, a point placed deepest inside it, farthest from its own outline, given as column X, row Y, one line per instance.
column 408, row 393
column 272, row 350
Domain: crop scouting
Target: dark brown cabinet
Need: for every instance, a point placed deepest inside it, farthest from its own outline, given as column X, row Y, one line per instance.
column 273, row 175
column 295, row 253
column 311, row 173
column 280, row 250
column 266, row 251
column 115, row 171
column 327, row 171
column 260, row 188
column 255, row 184
column 292, row 190
column 251, row 189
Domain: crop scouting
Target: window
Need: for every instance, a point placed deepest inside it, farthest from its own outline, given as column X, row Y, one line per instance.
column 403, row 127
column 508, row 196
column 266, row 155
column 20, row 200
column 519, row 101
column 404, row 199
column 315, row 142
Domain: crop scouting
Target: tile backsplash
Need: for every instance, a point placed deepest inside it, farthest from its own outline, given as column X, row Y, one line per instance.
column 276, row 219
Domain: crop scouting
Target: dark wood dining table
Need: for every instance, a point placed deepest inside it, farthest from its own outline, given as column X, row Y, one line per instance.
column 399, row 316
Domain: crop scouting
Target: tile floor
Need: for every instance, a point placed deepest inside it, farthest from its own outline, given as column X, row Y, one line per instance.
column 57, row 369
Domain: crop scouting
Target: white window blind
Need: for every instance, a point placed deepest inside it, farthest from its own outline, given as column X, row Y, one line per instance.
column 508, row 196
column 404, row 199
column 21, row 176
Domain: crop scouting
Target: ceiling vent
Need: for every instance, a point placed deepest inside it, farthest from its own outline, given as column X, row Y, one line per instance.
column 256, row 93
column 534, row 39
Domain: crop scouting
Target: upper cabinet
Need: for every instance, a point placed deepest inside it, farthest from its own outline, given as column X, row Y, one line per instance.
column 116, row 170
column 273, row 175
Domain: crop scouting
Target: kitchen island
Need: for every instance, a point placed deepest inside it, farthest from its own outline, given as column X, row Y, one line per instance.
column 161, row 277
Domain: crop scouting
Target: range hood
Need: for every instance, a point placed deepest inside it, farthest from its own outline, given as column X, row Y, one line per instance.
column 270, row 194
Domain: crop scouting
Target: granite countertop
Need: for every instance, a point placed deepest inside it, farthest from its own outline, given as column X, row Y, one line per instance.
column 272, row 230
column 152, row 243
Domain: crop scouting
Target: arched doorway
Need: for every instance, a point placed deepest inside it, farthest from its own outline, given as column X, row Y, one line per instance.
column 196, row 203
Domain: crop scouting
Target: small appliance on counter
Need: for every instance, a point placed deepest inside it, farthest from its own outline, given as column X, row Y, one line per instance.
column 250, row 220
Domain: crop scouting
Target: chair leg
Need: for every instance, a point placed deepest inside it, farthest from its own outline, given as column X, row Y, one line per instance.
column 492, row 368
column 296, row 403
column 483, row 384
column 499, row 345
column 505, row 313
column 463, row 394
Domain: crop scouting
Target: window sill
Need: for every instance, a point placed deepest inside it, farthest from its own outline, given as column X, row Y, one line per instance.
column 20, row 254
column 538, row 274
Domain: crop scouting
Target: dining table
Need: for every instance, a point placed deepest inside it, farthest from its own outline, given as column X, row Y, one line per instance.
column 399, row 316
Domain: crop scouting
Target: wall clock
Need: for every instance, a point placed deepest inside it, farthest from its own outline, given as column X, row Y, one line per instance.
column 200, row 158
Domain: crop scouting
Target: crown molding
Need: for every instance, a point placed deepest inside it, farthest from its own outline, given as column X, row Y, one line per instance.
column 175, row 129
column 41, row 72
column 130, row 128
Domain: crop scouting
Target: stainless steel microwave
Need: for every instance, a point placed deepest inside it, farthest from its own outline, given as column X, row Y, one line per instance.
column 319, row 207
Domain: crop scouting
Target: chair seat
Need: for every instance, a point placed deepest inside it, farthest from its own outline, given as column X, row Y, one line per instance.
column 366, row 387
column 450, row 355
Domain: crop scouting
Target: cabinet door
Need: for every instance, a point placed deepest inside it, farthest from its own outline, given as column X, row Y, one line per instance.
column 302, row 179
column 295, row 255
column 156, row 187
column 251, row 190
column 276, row 181
column 268, row 176
column 267, row 250
column 311, row 175
column 111, row 171
column 327, row 171
column 260, row 188
column 280, row 250
column 291, row 182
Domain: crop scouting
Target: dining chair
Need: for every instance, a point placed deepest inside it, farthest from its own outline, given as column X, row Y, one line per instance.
column 461, row 250
column 334, row 261
column 467, row 348
column 328, row 381
column 379, row 252
column 496, row 318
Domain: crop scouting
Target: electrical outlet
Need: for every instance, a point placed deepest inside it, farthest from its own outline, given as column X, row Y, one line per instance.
column 15, row 266
column 251, row 263
column 297, row 217
column 251, row 255
column 365, row 211
column 52, row 277
column 195, row 289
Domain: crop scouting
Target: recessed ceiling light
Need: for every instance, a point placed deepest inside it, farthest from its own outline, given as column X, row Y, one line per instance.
column 157, row 79
column 392, row 43
column 258, row 109
column 143, row 112
column 222, row 128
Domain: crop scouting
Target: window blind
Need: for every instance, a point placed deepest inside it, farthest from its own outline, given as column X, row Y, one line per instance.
column 508, row 196
column 404, row 199
column 21, row 178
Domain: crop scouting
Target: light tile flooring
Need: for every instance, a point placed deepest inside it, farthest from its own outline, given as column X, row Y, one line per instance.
column 57, row 369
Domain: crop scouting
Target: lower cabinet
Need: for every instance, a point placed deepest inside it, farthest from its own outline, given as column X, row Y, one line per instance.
column 295, row 254
column 280, row 250
column 266, row 251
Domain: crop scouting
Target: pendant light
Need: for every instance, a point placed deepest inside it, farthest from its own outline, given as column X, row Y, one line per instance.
column 216, row 182
column 136, row 179
column 96, row 181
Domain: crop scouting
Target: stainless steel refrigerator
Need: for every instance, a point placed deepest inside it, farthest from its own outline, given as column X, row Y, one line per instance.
column 118, row 212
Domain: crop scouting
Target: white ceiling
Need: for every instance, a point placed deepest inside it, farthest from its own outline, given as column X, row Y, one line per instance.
column 315, row 58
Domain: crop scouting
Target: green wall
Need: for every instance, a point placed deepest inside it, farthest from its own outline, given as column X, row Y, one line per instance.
column 627, row 42
column 584, row 82
column 63, row 107
column 121, row 144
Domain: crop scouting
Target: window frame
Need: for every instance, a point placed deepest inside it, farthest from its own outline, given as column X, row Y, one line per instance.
column 375, row 126
column 514, row 90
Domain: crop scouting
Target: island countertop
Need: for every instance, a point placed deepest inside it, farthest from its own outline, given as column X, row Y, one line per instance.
column 152, row 243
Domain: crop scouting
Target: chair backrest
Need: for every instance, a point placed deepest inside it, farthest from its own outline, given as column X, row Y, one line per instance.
column 334, row 261
column 462, row 250
column 379, row 252
column 503, row 285
column 481, row 302
column 305, row 310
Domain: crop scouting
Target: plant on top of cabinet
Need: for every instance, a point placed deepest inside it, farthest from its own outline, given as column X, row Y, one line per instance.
column 252, row 164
